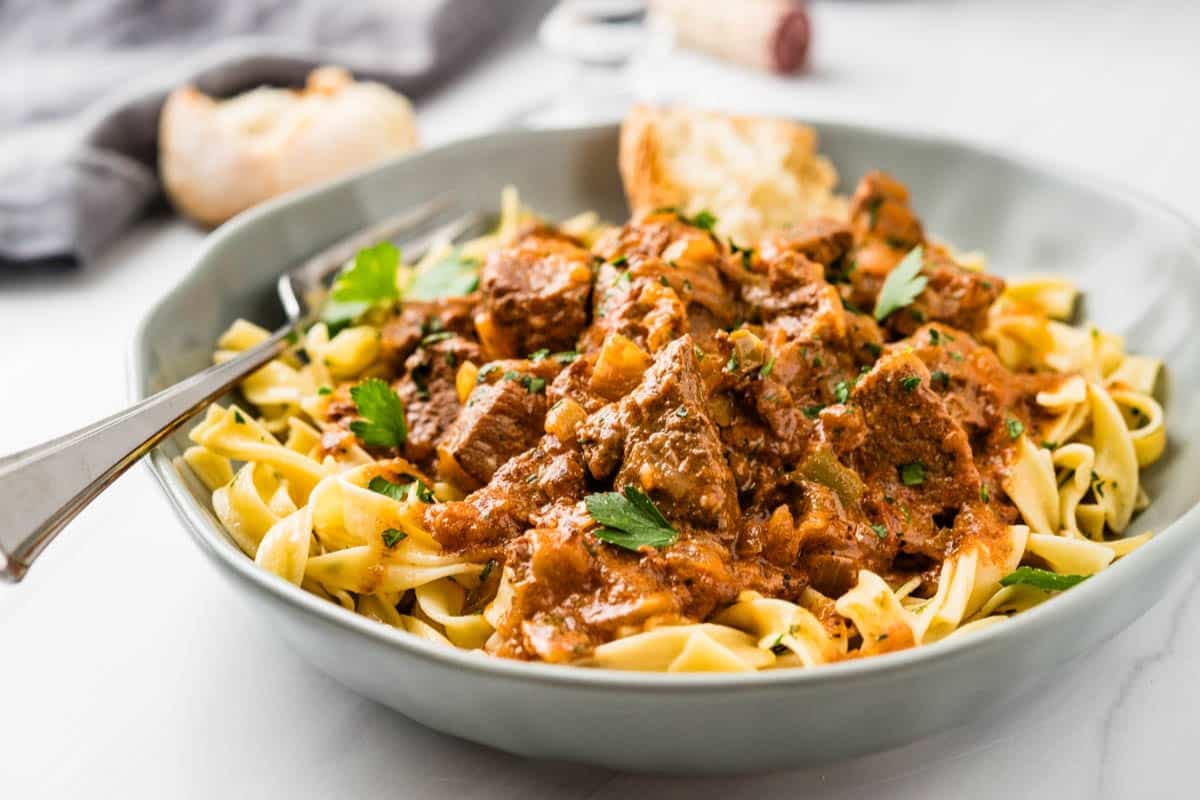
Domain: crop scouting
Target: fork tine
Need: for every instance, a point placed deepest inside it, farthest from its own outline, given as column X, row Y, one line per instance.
column 333, row 257
column 457, row 228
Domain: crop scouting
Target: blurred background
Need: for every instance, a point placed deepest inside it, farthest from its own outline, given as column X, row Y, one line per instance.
column 86, row 150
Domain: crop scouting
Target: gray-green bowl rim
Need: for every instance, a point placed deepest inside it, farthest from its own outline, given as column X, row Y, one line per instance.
column 1039, row 621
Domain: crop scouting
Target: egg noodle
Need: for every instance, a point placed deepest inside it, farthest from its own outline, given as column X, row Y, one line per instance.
column 311, row 517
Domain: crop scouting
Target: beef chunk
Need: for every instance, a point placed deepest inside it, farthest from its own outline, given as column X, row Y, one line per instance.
column 880, row 212
column 979, row 392
column 954, row 295
column 641, row 309
column 664, row 442
column 418, row 320
column 499, row 421
column 535, row 293
column 796, row 287
column 885, row 230
column 527, row 486
column 908, row 424
column 824, row 241
column 662, row 277
column 430, row 398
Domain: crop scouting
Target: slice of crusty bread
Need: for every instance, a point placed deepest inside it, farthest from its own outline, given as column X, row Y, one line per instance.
column 755, row 174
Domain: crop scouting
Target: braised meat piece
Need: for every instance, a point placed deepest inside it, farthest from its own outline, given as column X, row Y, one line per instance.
column 427, row 391
column 419, row 321
column 531, row 484
column 661, row 439
column 535, row 294
column 499, row 421
column 825, row 241
column 661, row 278
column 885, row 230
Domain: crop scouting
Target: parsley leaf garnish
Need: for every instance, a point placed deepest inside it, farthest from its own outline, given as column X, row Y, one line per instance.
column 453, row 276
column 901, row 286
column 1041, row 579
column 940, row 376
column 383, row 423
column 841, row 391
column 910, row 383
column 392, row 537
column 912, row 473
column 1015, row 427
column 766, row 369
column 880, row 530
column 812, row 412
column 371, row 278
column 630, row 520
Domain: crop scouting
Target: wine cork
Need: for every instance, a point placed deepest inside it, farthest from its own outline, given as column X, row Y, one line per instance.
column 769, row 35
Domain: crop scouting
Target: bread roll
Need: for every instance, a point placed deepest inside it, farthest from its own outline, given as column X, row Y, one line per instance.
column 219, row 157
column 755, row 174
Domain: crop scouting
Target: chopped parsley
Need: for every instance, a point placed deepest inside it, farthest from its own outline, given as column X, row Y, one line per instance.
column 538, row 355
column 535, row 385
column 324, row 390
column 1049, row 445
column 1015, row 427
column 732, row 364
column 747, row 254
column 566, row 356
column 910, row 383
column 434, row 338
column 487, row 570
column 392, row 537
column 940, row 377
column 875, row 350
column 485, row 370
column 901, row 286
column 383, row 423
column 238, row 418
column 620, row 261
column 912, row 473
column 841, row 391
column 984, row 495
column 681, row 411
column 765, row 370
column 880, row 530
column 1041, row 579
column 629, row 520
column 812, row 412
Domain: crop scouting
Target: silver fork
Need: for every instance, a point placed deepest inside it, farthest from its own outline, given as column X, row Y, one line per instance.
column 45, row 487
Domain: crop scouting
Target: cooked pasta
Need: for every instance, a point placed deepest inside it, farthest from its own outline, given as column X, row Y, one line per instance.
column 647, row 448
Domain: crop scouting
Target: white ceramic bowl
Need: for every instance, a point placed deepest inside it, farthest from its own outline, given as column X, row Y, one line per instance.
column 1138, row 264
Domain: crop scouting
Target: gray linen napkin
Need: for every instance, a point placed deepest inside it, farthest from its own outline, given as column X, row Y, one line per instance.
column 65, row 57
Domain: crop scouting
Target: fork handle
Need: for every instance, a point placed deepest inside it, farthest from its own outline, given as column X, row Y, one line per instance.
column 44, row 487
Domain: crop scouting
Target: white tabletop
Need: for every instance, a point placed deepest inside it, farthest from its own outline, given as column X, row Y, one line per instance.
column 129, row 669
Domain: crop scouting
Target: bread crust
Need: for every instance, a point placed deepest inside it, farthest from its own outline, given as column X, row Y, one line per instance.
column 650, row 137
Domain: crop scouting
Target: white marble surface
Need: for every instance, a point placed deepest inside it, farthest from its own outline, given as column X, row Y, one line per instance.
column 127, row 668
